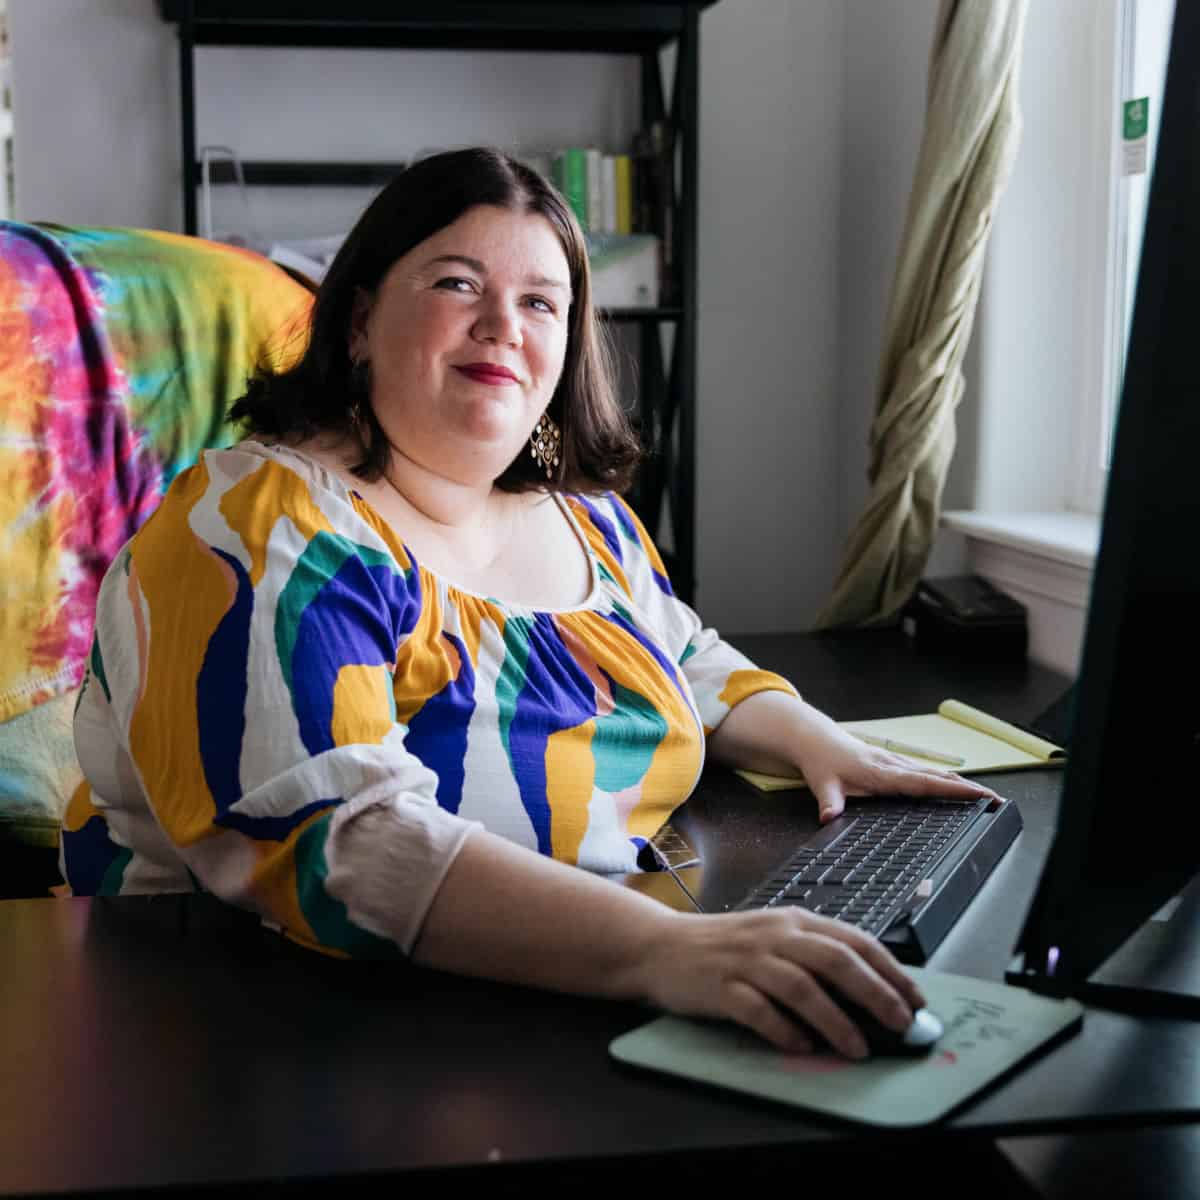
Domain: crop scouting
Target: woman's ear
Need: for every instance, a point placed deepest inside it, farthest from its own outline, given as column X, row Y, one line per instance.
column 360, row 313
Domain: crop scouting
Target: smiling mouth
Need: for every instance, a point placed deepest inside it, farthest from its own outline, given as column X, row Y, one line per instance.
column 485, row 373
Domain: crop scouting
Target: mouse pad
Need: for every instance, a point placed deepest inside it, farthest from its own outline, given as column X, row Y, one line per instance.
column 990, row 1028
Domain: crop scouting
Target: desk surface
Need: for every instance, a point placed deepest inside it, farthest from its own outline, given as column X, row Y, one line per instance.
column 154, row 1041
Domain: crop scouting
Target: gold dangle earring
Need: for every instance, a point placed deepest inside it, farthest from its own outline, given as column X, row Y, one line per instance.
column 359, row 381
column 544, row 443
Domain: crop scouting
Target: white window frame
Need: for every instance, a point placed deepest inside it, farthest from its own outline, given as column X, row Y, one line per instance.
column 1124, row 66
column 1098, row 302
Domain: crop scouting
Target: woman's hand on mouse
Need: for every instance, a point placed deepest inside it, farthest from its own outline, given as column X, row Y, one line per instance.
column 769, row 971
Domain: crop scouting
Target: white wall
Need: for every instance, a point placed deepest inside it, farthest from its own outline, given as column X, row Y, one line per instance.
column 771, row 86
column 95, row 113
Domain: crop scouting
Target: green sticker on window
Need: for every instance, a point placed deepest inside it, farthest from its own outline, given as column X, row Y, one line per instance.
column 1137, row 118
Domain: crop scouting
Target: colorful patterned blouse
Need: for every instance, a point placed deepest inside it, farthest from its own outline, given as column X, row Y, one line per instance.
column 284, row 708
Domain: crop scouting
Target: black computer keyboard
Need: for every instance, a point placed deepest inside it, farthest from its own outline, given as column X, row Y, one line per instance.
column 901, row 867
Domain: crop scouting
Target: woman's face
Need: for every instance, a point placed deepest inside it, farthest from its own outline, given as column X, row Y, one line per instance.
column 466, row 337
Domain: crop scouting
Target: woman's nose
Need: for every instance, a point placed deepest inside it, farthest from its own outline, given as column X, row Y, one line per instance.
column 499, row 322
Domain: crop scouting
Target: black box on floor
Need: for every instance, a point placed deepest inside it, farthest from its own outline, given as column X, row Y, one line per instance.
column 967, row 614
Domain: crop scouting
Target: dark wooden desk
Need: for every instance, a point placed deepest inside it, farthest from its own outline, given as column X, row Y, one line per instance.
column 148, row 1042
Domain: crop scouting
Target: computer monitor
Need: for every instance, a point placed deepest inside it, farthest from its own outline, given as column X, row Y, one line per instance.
column 1114, row 918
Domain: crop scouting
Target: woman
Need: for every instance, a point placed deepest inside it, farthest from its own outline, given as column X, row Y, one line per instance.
column 388, row 671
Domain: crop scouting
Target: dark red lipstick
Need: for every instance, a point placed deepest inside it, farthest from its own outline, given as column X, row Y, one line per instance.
column 483, row 372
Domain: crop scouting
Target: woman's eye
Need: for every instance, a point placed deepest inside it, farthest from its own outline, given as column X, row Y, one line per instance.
column 542, row 304
column 455, row 283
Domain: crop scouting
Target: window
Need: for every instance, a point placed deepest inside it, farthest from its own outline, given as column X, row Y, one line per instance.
column 1132, row 40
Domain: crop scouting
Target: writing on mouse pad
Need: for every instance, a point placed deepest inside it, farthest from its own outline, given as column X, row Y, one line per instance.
column 989, row 1028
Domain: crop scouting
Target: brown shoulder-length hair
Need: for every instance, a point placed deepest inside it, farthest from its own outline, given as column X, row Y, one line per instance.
column 318, row 395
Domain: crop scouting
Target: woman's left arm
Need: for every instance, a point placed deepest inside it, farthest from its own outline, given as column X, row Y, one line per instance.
column 753, row 718
column 781, row 734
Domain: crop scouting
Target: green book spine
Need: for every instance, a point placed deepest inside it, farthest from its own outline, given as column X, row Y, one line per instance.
column 575, row 182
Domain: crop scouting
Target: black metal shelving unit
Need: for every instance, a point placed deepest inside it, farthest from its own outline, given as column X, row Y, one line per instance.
column 665, row 493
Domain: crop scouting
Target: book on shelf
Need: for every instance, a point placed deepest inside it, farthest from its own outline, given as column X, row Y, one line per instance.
column 569, row 175
column 957, row 737
column 623, row 186
column 595, row 190
column 608, row 194
column 625, row 253
column 600, row 189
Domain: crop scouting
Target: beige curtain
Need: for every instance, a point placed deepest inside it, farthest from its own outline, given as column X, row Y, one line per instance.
column 971, row 132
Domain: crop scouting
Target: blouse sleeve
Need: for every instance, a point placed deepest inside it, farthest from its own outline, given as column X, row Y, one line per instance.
column 720, row 676
column 248, row 637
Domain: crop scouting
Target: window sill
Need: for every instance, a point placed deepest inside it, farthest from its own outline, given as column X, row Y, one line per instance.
column 1062, row 537
column 1044, row 560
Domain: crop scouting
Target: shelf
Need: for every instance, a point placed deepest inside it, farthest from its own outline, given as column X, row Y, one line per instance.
column 640, row 316
column 261, row 173
column 586, row 26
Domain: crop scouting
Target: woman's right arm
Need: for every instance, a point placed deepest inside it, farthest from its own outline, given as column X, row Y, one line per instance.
column 248, row 638
column 504, row 912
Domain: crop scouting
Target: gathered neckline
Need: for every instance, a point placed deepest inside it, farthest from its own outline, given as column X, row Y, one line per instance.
column 332, row 482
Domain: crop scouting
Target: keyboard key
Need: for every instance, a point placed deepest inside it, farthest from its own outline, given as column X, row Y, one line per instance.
column 777, row 881
column 827, row 835
column 827, row 896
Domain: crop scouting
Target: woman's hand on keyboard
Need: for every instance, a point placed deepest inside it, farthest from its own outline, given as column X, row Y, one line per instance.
column 836, row 764
column 782, row 734
column 769, row 970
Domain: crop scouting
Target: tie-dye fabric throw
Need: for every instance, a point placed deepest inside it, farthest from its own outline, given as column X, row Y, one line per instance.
column 120, row 352
column 285, row 708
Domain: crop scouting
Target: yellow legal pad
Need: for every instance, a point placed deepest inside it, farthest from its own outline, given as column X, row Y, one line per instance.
column 990, row 1029
column 983, row 743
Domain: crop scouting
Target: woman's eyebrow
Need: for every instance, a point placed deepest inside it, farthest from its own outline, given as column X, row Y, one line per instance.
column 543, row 281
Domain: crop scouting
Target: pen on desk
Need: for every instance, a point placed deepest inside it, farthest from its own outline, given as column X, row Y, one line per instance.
column 872, row 739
